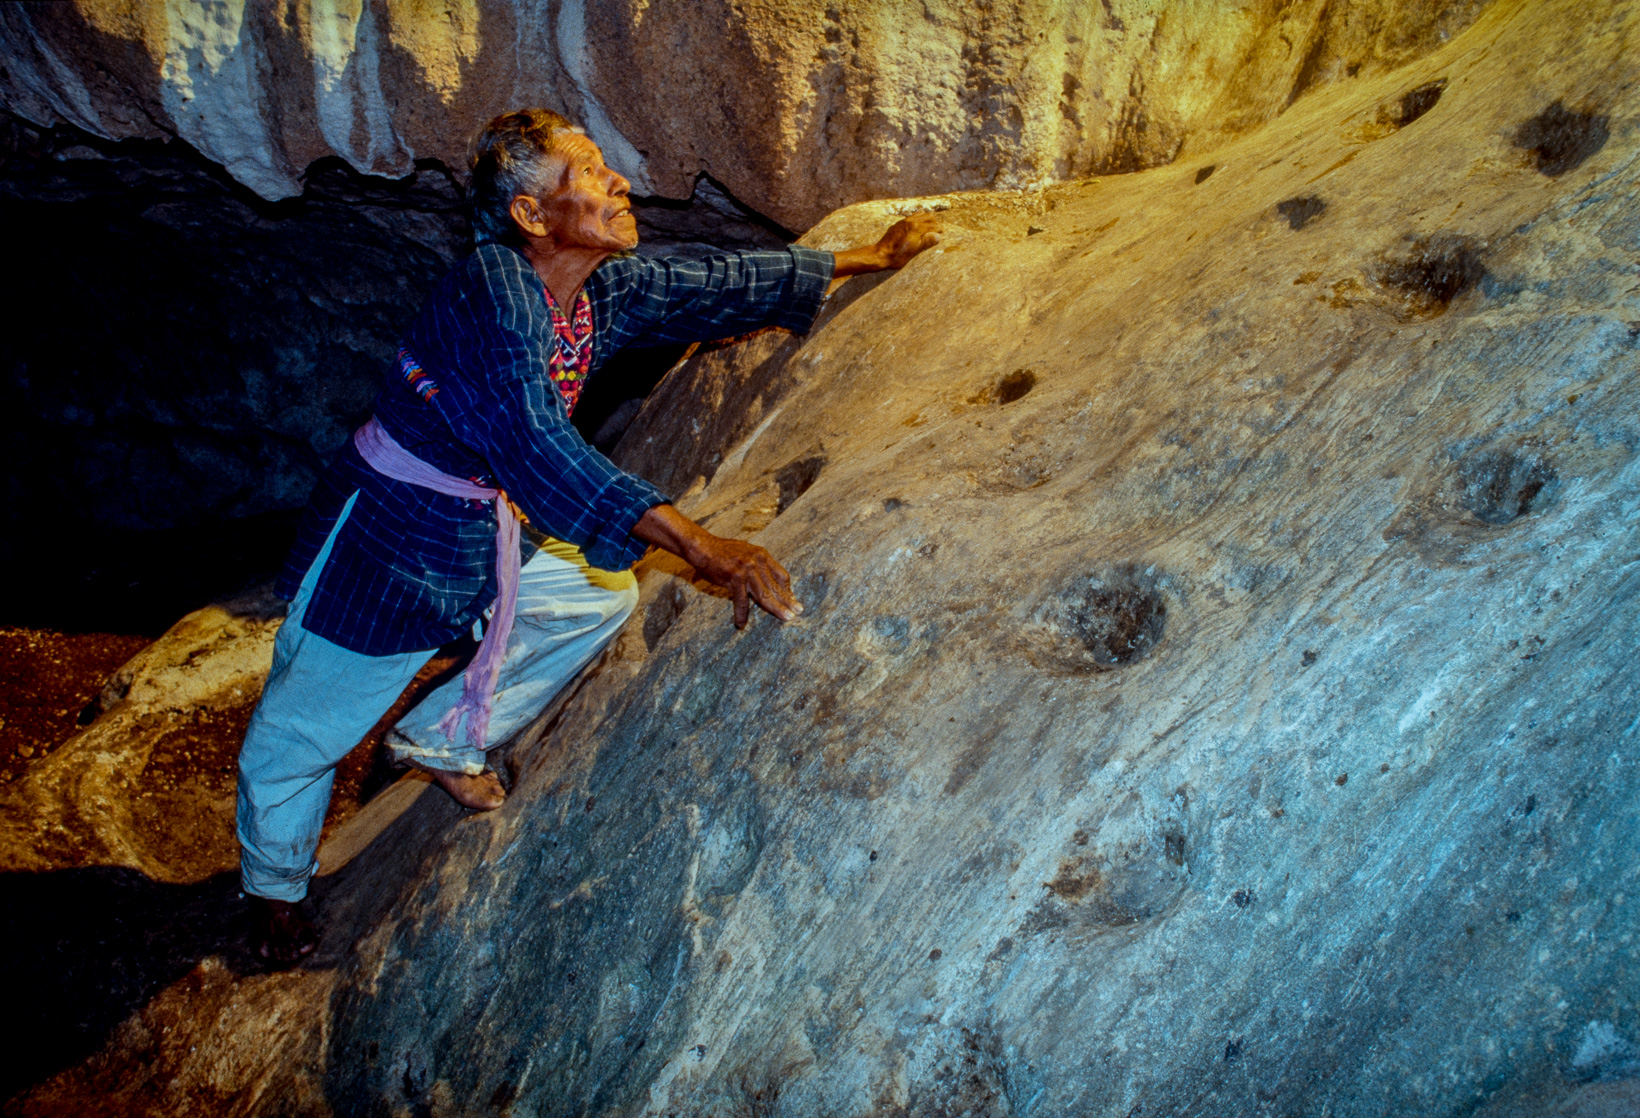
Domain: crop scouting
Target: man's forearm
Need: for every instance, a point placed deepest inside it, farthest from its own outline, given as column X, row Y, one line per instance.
column 856, row 261
column 670, row 530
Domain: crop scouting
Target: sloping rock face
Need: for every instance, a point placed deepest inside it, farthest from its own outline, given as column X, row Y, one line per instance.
column 797, row 106
column 1217, row 693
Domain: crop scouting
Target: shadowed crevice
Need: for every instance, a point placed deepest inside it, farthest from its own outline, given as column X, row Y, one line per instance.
column 1501, row 486
column 1299, row 212
column 795, row 478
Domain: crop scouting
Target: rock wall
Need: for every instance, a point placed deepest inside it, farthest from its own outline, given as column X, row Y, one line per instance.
column 1217, row 694
column 182, row 349
column 796, row 106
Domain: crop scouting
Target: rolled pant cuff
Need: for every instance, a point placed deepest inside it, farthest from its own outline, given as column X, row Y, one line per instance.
column 447, row 757
column 273, row 887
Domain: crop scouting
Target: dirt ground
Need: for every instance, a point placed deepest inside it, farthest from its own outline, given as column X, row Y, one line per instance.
column 47, row 683
column 90, row 942
column 48, row 686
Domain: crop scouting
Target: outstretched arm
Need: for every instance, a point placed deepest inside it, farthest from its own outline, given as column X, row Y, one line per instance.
column 660, row 300
column 746, row 570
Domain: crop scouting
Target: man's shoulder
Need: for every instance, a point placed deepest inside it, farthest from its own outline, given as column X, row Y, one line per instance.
column 492, row 287
column 491, row 261
column 490, row 274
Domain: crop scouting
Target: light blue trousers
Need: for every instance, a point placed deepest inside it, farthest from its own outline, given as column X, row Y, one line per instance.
column 320, row 700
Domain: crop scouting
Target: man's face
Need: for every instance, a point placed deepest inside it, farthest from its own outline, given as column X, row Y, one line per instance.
column 587, row 207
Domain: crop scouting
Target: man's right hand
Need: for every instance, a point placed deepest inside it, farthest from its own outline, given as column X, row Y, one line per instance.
column 747, row 571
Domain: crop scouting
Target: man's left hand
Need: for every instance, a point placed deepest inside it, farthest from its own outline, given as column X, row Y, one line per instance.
column 904, row 240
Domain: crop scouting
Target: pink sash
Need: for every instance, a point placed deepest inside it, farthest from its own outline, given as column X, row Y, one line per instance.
column 390, row 459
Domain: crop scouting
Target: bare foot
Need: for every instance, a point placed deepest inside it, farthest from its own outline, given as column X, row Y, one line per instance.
column 279, row 932
column 481, row 793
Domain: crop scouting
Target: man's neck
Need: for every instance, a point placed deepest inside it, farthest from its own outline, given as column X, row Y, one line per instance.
column 563, row 270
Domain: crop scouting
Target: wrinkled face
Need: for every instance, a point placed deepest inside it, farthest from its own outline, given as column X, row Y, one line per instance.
column 587, row 205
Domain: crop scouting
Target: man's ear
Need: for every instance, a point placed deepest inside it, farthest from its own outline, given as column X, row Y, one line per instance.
column 526, row 214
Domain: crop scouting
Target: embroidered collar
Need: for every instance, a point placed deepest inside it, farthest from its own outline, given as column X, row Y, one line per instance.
column 571, row 357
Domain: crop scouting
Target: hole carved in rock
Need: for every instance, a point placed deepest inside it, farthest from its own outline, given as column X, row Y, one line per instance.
column 1015, row 386
column 795, row 478
column 1414, row 103
column 1501, row 486
column 1432, row 273
column 1560, row 139
column 1397, row 114
column 1099, row 622
column 1299, row 212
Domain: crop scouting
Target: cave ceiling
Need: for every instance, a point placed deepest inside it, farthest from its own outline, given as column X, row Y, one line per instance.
column 797, row 106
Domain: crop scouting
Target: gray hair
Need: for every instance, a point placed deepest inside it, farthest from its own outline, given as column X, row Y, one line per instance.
column 511, row 156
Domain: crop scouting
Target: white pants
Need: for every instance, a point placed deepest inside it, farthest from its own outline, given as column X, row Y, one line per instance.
column 321, row 699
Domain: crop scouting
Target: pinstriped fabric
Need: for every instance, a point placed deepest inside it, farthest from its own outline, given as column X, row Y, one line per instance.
column 412, row 569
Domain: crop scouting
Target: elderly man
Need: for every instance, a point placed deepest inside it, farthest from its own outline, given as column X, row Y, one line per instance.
column 412, row 535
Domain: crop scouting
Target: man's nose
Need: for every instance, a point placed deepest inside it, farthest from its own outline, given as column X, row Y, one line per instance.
column 618, row 186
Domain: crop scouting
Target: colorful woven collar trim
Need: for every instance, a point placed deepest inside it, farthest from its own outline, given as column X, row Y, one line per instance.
column 571, row 357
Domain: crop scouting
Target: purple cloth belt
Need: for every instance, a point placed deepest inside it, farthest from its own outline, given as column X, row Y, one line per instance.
column 390, row 459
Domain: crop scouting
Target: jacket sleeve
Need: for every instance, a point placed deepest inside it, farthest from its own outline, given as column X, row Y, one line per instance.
column 649, row 301
column 501, row 401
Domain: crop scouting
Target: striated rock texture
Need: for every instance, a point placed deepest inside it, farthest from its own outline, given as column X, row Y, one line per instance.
column 1218, row 692
column 797, row 106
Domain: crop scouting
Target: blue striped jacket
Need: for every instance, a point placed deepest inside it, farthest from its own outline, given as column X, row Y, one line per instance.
column 412, row 569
